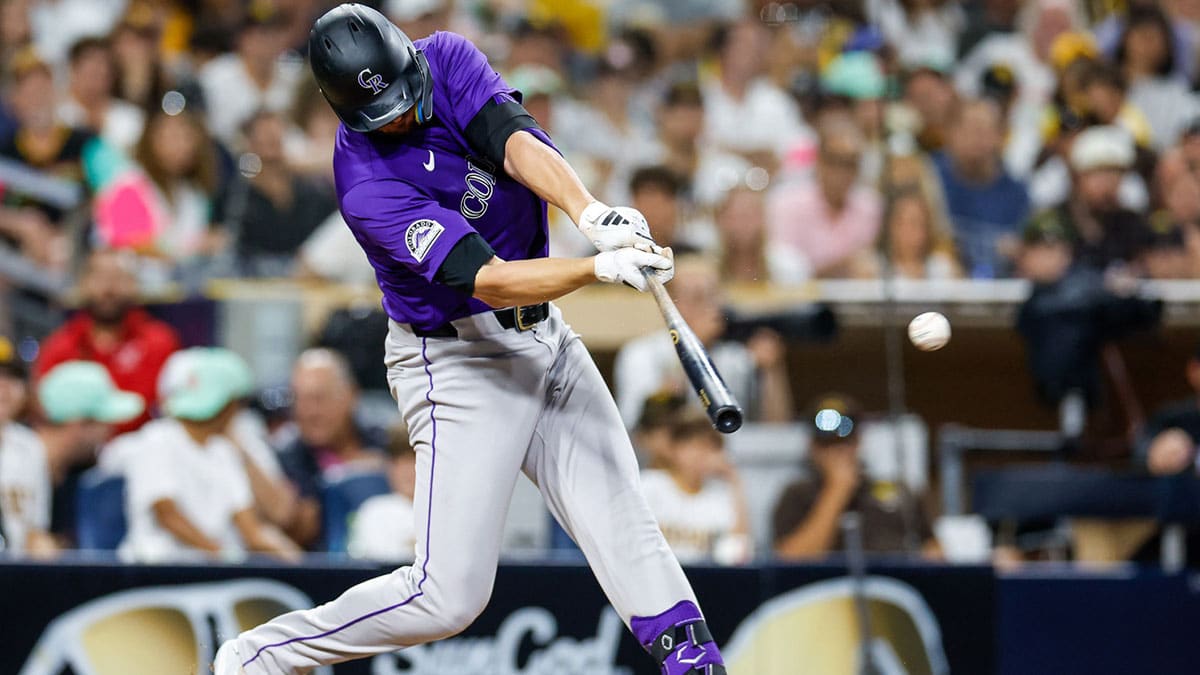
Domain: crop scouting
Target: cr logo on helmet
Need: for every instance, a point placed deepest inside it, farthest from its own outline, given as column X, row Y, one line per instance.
column 367, row 80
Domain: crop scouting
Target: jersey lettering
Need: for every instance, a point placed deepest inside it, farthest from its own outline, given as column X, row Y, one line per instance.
column 480, row 186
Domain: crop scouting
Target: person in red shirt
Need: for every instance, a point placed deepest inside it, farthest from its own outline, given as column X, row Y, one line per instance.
column 114, row 331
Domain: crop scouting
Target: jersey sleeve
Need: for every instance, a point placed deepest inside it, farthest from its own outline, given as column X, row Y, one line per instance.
column 410, row 228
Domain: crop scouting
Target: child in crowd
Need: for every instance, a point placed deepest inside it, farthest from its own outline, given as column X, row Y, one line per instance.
column 382, row 529
column 697, row 496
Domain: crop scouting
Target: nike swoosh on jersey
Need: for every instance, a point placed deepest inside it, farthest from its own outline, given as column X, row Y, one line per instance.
column 429, row 165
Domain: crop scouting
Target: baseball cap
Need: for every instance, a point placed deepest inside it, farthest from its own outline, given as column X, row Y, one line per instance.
column 855, row 75
column 535, row 80
column 1070, row 46
column 401, row 11
column 1102, row 147
column 833, row 417
column 83, row 390
column 11, row 364
column 236, row 371
column 196, row 385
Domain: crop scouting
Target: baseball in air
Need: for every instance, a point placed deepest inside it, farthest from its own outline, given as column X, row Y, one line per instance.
column 929, row 331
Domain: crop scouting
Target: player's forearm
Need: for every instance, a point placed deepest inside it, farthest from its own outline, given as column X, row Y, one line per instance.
column 527, row 282
column 538, row 167
column 170, row 518
column 816, row 533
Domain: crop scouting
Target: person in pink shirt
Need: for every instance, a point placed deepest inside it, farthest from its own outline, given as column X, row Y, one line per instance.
column 822, row 221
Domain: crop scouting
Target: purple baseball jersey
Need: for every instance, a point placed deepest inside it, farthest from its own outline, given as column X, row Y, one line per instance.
column 409, row 199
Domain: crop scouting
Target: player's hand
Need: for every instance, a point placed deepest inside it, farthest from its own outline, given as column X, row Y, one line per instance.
column 610, row 228
column 625, row 265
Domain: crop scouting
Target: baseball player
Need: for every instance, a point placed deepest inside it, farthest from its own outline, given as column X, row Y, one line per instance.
column 444, row 179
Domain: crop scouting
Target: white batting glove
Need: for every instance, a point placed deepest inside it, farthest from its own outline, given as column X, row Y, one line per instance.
column 610, row 228
column 624, row 265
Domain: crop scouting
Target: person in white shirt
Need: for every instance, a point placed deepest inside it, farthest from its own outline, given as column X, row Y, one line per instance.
column 78, row 404
column 187, row 493
column 260, row 74
column 698, row 498
column 743, row 111
column 755, row 371
column 90, row 102
column 275, row 500
column 382, row 528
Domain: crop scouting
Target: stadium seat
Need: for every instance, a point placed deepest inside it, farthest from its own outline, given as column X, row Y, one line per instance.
column 100, row 505
column 341, row 498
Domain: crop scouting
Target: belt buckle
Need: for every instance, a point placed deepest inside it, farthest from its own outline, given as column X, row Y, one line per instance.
column 519, row 312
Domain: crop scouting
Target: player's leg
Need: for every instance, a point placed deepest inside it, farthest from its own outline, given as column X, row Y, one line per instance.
column 584, row 465
column 470, row 427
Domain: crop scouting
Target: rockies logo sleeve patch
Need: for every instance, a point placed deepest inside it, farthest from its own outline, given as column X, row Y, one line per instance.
column 421, row 236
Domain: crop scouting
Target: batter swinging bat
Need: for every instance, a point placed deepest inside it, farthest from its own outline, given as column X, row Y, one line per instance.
column 722, row 409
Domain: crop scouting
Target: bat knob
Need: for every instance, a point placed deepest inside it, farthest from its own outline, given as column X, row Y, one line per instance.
column 728, row 420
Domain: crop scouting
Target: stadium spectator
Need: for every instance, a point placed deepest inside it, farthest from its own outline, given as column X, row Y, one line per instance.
column 655, row 191
column 987, row 206
column 329, row 436
column 920, row 32
column 180, row 158
column 807, row 517
column 274, row 211
column 275, row 499
column 652, row 434
column 741, row 220
column 33, row 223
column 419, row 18
column 382, row 528
column 743, row 112
column 187, row 493
column 856, row 81
column 911, row 244
column 824, row 221
column 1071, row 313
column 23, row 478
column 1167, row 444
column 698, row 498
column 141, row 73
column 113, row 330
column 1105, row 92
column 1145, row 55
column 1104, row 231
column 40, row 469
column 755, row 372
column 312, row 133
column 928, row 92
column 90, row 102
column 258, row 75
column 707, row 170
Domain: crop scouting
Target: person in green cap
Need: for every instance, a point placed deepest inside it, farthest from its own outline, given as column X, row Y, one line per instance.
column 187, row 492
column 78, row 404
column 275, row 499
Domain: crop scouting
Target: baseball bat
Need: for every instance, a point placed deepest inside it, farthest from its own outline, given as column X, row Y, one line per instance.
column 723, row 410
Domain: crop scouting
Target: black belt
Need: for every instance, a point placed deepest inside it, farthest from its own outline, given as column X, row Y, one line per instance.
column 520, row 318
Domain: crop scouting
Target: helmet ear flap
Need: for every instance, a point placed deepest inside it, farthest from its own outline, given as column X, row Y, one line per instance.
column 423, row 88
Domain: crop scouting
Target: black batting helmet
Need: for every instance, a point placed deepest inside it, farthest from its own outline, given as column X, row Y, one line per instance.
column 368, row 69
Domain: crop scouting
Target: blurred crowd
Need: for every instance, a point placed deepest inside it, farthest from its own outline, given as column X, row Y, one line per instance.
column 148, row 147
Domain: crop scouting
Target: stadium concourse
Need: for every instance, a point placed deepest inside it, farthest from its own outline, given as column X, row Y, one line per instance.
column 196, row 427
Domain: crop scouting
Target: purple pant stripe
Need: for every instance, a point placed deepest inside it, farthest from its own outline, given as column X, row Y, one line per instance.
column 428, row 530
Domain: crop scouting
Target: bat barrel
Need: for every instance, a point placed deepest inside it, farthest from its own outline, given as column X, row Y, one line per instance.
column 727, row 419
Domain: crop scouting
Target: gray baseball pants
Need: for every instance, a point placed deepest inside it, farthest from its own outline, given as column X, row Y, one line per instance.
column 480, row 408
